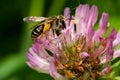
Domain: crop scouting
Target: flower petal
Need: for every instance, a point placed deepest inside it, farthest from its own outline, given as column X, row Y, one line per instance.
column 117, row 40
column 53, row 72
column 116, row 54
column 93, row 15
column 110, row 48
column 82, row 12
column 101, row 49
column 84, row 54
column 92, row 20
column 67, row 13
column 112, row 35
column 81, row 17
column 110, row 51
column 102, row 29
column 37, row 63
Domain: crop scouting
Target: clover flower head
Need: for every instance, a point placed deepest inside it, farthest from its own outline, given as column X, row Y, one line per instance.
column 79, row 52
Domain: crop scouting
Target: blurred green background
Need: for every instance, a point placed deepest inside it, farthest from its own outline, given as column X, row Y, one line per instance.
column 15, row 34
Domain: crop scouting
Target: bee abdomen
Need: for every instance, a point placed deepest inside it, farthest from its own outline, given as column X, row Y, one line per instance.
column 37, row 31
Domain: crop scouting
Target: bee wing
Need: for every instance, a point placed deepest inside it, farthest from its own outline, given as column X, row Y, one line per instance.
column 34, row 19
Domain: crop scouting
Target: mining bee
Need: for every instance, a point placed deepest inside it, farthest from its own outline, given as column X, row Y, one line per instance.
column 54, row 23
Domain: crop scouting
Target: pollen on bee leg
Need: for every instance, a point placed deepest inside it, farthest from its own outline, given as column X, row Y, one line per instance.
column 46, row 27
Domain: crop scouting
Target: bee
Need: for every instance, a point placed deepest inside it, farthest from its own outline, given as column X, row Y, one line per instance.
column 54, row 23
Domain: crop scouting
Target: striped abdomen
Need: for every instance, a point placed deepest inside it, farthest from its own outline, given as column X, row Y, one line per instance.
column 37, row 31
